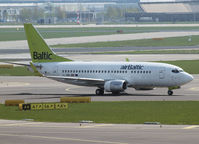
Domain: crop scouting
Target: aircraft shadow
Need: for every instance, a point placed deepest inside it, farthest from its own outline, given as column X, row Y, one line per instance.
column 51, row 95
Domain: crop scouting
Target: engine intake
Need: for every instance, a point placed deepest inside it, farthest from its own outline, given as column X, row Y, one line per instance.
column 115, row 86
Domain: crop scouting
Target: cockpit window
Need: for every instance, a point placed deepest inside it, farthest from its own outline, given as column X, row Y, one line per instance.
column 176, row 71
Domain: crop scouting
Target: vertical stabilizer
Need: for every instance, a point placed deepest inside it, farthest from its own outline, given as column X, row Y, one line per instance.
column 39, row 50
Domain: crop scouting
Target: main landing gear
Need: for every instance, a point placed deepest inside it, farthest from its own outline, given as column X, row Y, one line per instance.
column 99, row 92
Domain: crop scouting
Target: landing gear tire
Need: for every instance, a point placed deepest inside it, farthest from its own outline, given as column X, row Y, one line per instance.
column 116, row 93
column 99, row 92
column 170, row 92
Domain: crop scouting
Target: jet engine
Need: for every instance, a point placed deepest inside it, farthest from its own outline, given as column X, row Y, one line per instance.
column 115, row 86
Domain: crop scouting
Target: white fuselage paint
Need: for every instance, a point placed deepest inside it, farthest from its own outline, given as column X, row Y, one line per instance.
column 136, row 74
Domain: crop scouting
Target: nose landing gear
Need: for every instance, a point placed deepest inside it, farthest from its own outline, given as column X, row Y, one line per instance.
column 170, row 92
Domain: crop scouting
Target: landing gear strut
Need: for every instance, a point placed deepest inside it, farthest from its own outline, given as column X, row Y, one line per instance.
column 170, row 92
column 99, row 92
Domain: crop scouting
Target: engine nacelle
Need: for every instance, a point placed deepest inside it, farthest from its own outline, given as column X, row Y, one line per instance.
column 115, row 86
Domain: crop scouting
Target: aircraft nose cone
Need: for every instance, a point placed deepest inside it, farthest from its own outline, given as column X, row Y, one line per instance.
column 189, row 77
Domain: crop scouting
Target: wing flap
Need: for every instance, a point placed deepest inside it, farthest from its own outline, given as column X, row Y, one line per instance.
column 78, row 80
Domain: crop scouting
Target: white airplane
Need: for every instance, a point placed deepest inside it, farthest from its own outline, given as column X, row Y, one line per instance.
column 112, row 77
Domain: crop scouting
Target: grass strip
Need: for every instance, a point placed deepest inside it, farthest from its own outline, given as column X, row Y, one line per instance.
column 8, row 34
column 131, row 112
column 192, row 51
column 16, row 71
column 190, row 66
column 173, row 41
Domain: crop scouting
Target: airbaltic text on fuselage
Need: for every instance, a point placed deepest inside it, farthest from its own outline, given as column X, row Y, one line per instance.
column 42, row 56
column 132, row 67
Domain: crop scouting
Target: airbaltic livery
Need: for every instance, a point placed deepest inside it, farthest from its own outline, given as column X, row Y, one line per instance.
column 112, row 77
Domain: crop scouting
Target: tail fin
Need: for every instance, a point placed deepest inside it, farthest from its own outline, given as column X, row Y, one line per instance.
column 40, row 51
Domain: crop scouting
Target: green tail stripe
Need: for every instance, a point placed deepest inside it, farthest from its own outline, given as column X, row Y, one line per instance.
column 40, row 51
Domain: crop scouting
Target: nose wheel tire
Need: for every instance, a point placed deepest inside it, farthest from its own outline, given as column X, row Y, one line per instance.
column 170, row 92
column 99, row 92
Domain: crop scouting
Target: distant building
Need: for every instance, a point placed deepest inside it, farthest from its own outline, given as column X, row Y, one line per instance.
column 166, row 10
column 10, row 12
column 75, row 10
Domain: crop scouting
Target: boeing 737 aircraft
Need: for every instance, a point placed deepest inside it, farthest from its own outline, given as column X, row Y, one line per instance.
column 112, row 77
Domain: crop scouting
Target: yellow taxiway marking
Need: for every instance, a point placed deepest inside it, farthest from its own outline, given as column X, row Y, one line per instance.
column 35, row 125
column 190, row 127
column 20, row 124
column 60, row 138
column 13, row 84
column 93, row 126
column 194, row 89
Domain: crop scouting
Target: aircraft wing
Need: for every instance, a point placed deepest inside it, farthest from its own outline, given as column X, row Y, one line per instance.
column 14, row 63
column 79, row 81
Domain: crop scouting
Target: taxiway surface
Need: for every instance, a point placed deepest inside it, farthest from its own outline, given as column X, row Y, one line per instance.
column 40, row 89
column 22, row 132
column 22, row 44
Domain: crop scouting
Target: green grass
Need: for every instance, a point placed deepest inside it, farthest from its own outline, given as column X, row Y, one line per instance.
column 8, row 34
column 131, row 112
column 191, row 51
column 190, row 66
column 174, row 41
column 16, row 71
